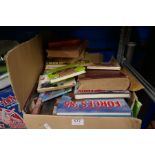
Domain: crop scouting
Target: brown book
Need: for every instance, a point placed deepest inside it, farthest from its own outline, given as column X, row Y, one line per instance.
column 66, row 49
column 106, row 66
column 63, row 43
column 103, row 80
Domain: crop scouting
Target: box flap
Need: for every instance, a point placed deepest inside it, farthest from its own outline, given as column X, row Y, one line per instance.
column 24, row 63
column 68, row 122
column 135, row 84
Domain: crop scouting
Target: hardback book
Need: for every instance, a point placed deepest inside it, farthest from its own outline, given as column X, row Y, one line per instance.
column 103, row 80
column 106, row 66
column 45, row 85
column 53, row 94
column 63, row 43
column 66, row 49
column 64, row 72
column 93, row 107
column 86, row 94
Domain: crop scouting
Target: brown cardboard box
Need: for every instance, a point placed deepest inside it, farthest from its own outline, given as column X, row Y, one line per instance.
column 25, row 63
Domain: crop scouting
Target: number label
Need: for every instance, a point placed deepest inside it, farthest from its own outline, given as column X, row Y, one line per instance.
column 77, row 121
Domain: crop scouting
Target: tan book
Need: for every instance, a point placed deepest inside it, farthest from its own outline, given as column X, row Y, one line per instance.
column 106, row 66
column 103, row 80
column 95, row 58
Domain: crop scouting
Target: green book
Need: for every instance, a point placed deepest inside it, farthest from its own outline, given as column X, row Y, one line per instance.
column 136, row 108
column 64, row 72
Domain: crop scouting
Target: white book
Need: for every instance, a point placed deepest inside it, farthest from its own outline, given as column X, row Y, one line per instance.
column 4, row 81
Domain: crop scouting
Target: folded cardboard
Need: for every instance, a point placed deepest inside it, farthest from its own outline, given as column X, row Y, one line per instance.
column 25, row 62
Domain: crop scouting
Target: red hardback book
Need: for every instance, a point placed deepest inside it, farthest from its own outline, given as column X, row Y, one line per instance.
column 66, row 49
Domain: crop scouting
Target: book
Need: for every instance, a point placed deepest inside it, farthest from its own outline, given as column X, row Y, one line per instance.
column 4, row 80
column 86, row 94
column 65, row 72
column 103, row 80
column 45, row 85
column 63, row 43
column 66, row 49
column 136, row 108
column 36, row 106
column 3, row 68
column 48, row 107
column 48, row 67
column 94, row 57
column 33, row 105
column 55, row 64
column 93, row 107
column 4, row 75
column 53, row 94
column 10, row 113
column 106, row 66
column 61, row 61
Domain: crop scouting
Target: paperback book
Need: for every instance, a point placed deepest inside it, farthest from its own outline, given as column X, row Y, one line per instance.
column 45, row 85
column 53, row 94
column 10, row 113
column 93, row 107
column 64, row 72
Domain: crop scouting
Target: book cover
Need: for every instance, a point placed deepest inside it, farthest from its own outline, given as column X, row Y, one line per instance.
column 93, row 107
column 64, row 72
column 45, row 85
column 10, row 114
column 53, row 94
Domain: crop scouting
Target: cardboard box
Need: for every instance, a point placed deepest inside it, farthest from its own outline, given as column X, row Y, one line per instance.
column 25, row 62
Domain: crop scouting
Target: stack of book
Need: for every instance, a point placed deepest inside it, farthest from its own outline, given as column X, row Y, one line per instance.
column 98, row 92
column 95, row 89
column 59, row 74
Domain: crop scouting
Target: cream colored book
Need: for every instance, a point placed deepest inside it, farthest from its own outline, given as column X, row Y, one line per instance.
column 45, row 85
